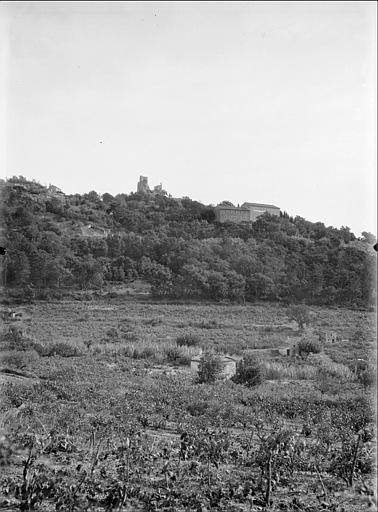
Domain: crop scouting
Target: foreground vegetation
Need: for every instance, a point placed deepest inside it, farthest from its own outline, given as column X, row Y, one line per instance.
column 100, row 410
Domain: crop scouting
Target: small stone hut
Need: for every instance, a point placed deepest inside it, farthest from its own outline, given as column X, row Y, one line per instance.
column 329, row 337
column 229, row 365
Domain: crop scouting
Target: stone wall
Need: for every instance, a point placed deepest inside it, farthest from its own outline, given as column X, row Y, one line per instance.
column 231, row 214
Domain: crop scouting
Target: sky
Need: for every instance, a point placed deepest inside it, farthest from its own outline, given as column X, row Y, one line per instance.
column 268, row 102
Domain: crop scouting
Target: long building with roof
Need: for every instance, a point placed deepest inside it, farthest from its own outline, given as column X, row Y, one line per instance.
column 247, row 212
column 257, row 209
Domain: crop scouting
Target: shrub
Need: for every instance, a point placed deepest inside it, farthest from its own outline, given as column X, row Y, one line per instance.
column 147, row 352
column 327, row 383
column 127, row 320
column 136, row 352
column 130, row 336
column 43, row 295
column 88, row 343
column 13, row 339
column 19, row 360
column 249, row 371
column 189, row 340
column 7, row 450
column 367, row 377
column 307, row 346
column 300, row 314
column 63, row 349
column 210, row 368
column 12, row 336
column 38, row 347
column 208, row 324
column 197, row 408
column 184, row 360
column 153, row 321
column 177, row 355
column 112, row 333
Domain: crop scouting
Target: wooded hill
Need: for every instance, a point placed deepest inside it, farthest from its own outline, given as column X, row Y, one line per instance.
column 57, row 242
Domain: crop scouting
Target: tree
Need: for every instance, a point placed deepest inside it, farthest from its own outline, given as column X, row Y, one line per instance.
column 54, row 273
column 192, row 281
column 300, row 314
column 236, row 286
column 218, row 286
column 107, row 198
column 18, row 271
column 346, row 234
column 260, row 286
column 92, row 196
column 159, row 276
column 210, row 368
column 208, row 214
column 368, row 238
column 226, row 203
column 118, row 274
column 88, row 272
column 249, row 371
column 98, row 247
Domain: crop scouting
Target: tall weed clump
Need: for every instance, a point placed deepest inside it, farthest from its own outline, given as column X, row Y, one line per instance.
column 188, row 340
column 275, row 370
column 154, row 351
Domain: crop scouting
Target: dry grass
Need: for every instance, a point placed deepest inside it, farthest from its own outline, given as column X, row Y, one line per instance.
column 155, row 351
column 316, row 367
column 144, row 327
column 326, row 366
column 275, row 370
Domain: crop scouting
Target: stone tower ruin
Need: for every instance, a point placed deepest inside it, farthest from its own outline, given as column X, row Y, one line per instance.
column 142, row 185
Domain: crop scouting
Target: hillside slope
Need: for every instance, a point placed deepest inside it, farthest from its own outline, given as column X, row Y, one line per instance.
column 57, row 242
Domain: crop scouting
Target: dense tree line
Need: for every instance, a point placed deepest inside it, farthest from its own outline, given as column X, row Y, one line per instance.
column 56, row 241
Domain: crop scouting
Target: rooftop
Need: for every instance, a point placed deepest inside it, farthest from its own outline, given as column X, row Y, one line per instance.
column 224, row 358
column 260, row 204
column 226, row 207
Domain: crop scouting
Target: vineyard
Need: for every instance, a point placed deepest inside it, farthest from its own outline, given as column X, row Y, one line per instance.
column 101, row 412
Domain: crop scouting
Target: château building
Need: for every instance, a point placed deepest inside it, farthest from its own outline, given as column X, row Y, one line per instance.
column 248, row 212
column 226, row 213
column 257, row 209
column 142, row 187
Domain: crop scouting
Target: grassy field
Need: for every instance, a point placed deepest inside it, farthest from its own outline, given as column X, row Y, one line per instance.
column 232, row 328
column 100, row 411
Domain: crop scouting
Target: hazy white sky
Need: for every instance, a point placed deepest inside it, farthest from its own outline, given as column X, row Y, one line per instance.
column 244, row 101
